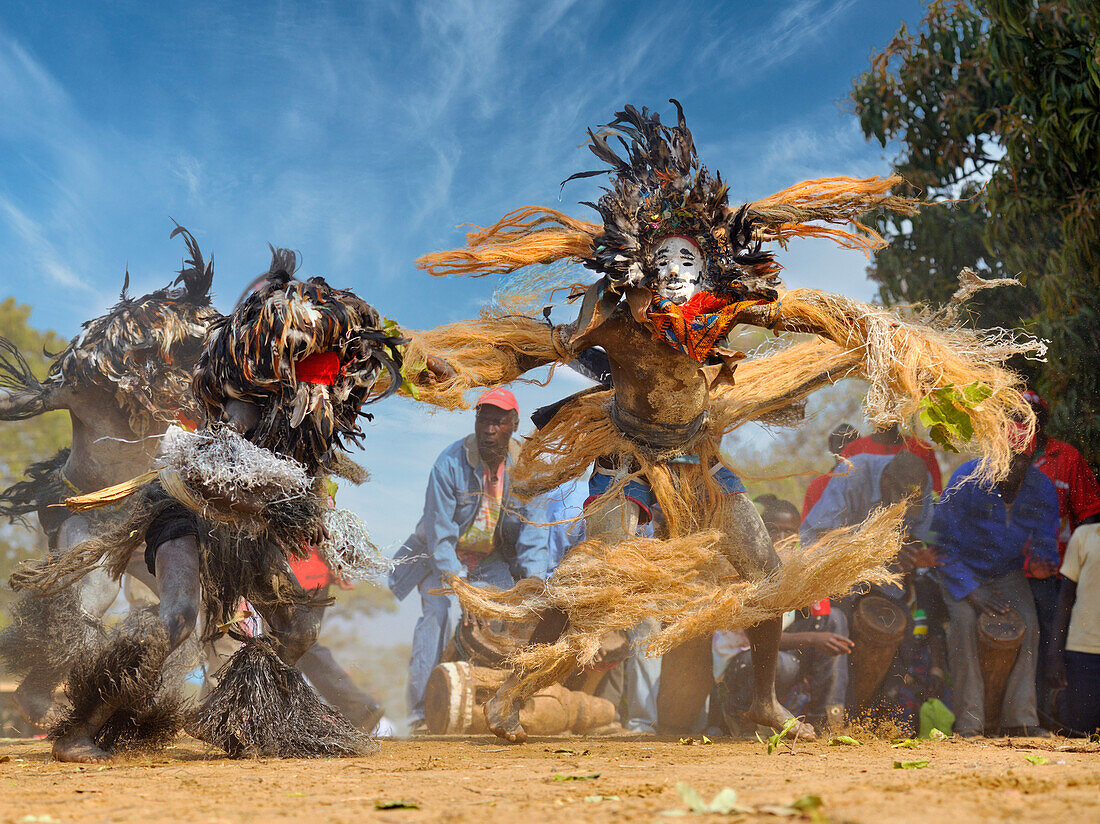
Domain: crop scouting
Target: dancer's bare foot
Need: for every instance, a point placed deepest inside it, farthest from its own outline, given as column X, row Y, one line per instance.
column 775, row 715
column 78, row 748
column 33, row 705
column 504, row 724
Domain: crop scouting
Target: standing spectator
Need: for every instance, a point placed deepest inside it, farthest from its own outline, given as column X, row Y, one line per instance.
column 839, row 438
column 983, row 533
column 889, row 441
column 472, row 527
column 1075, row 657
column 1078, row 503
column 873, row 481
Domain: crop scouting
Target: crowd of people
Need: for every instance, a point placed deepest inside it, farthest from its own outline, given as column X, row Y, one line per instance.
column 1025, row 550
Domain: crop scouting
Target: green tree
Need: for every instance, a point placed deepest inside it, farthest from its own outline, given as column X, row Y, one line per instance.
column 996, row 103
column 23, row 442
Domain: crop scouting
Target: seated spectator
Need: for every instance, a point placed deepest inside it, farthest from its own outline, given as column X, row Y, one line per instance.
column 839, row 438
column 813, row 650
column 1075, row 657
column 889, row 441
column 982, row 532
column 1078, row 503
column 472, row 527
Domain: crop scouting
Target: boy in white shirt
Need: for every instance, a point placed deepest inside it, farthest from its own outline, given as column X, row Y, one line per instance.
column 1078, row 667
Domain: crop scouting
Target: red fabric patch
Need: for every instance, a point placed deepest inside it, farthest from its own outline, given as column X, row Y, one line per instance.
column 322, row 367
column 311, row 571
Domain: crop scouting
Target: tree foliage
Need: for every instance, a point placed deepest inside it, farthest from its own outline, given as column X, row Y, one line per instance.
column 23, row 442
column 996, row 104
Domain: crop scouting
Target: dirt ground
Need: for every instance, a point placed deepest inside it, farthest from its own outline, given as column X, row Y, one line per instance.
column 561, row 780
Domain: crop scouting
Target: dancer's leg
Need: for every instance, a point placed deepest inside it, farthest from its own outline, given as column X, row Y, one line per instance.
column 177, row 567
column 748, row 547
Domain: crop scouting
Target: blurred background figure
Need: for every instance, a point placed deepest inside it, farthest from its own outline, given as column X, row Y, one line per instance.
column 1074, row 652
column 839, row 438
column 1078, row 503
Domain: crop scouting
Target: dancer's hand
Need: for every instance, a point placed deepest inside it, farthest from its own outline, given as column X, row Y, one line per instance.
column 438, row 369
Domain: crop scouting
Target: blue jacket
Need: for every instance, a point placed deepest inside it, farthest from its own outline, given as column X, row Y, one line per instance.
column 849, row 498
column 982, row 539
column 451, row 503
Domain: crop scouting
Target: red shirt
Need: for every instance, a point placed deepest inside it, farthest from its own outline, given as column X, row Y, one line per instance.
column 1078, row 491
column 814, row 492
column 311, row 571
column 867, row 445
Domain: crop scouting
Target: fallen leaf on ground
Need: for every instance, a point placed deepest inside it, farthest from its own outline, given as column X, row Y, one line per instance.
column 844, row 740
column 588, row 777
column 936, row 735
column 910, row 765
column 773, row 740
column 725, row 803
column 906, row 743
column 1037, row 759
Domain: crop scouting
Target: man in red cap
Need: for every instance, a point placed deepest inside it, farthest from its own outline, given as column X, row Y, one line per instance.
column 472, row 527
column 1078, row 503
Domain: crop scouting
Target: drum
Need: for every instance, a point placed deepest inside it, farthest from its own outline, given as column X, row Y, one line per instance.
column 878, row 626
column 457, row 691
column 999, row 640
column 454, row 695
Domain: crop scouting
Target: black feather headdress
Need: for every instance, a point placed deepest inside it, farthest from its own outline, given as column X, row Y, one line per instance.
column 255, row 355
column 659, row 188
column 143, row 349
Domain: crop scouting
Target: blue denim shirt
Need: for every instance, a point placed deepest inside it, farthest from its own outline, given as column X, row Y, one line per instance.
column 982, row 539
column 451, row 503
column 848, row 499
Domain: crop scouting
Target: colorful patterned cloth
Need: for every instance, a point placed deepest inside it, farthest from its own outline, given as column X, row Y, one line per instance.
column 696, row 327
column 477, row 541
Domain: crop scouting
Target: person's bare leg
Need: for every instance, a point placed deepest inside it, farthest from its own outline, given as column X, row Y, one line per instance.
column 615, row 521
column 749, row 548
column 178, row 585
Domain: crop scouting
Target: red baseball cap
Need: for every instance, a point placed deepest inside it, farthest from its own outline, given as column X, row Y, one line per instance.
column 500, row 398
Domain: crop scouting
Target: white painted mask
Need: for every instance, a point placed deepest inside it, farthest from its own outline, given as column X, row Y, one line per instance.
column 680, row 265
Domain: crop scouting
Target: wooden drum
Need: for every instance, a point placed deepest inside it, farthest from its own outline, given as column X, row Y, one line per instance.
column 454, row 695
column 878, row 625
column 999, row 640
column 457, row 691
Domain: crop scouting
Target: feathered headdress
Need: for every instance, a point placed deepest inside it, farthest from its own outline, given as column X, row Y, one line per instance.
column 659, row 188
column 143, row 349
column 307, row 355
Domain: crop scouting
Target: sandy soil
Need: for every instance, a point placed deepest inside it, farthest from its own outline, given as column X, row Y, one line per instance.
column 479, row 780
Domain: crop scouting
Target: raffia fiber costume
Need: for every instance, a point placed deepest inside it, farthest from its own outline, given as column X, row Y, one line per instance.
column 301, row 359
column 123, row 380
column 675, row 391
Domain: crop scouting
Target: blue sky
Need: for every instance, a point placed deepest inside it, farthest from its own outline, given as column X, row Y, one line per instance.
column 362, row 134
